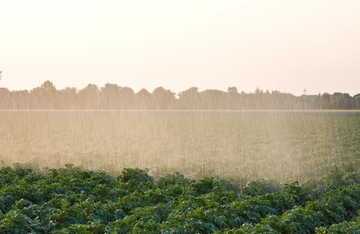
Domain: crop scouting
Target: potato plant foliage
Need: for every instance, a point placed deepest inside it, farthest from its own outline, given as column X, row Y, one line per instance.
column 71, row 200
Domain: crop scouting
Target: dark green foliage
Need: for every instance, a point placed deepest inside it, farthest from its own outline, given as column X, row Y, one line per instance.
column 136, row 175
column 71, row 200
column 262, row 186
column 352, row 226
column 172, row 179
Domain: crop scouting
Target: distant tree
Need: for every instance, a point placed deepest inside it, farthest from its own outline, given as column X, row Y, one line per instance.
column 143, row 99
column 214, row 99
column 21, row 99
column 258, row 91
column 189, row 99
column 325, row 101
column 112, row 96
column 232, row 90
column 44, row 97
column 5, row 98
column 89, row 97
column 109, row 96
column 257, row 100
column 234, row 99
column 116, row 97
column 275, row 92
column 342, row 101
column 48, row 87
column 68, row 98
column 357, row 101
column 163, row 98
column 126, row 98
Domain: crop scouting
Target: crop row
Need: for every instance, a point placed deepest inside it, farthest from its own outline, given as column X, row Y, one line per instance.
column 352, row 226
column 332, row 208
column 69, row 200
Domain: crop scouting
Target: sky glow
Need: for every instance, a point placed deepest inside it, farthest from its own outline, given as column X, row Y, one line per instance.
column 276, row 45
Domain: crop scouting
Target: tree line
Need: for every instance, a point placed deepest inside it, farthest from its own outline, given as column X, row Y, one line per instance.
column 112, row 96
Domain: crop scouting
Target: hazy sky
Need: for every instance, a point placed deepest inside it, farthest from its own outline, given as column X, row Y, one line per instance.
column 276, row 45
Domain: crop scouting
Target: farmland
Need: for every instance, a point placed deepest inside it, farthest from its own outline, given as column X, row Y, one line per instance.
column 70, row 200
column 284, row 145
column 179, row 172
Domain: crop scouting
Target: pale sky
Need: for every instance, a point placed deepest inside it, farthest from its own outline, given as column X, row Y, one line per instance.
column 276, row 45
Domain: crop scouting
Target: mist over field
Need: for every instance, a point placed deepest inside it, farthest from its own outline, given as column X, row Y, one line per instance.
column 264, row 134
column 282, row 145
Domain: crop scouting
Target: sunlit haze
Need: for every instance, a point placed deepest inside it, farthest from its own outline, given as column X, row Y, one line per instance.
column 276, row 45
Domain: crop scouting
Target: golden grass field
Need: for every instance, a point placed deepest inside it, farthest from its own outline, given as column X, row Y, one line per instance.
column 281, row 145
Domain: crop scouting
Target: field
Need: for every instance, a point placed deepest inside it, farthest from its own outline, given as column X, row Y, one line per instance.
column 70, row 200
column 116, row 172
column 284, row 145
